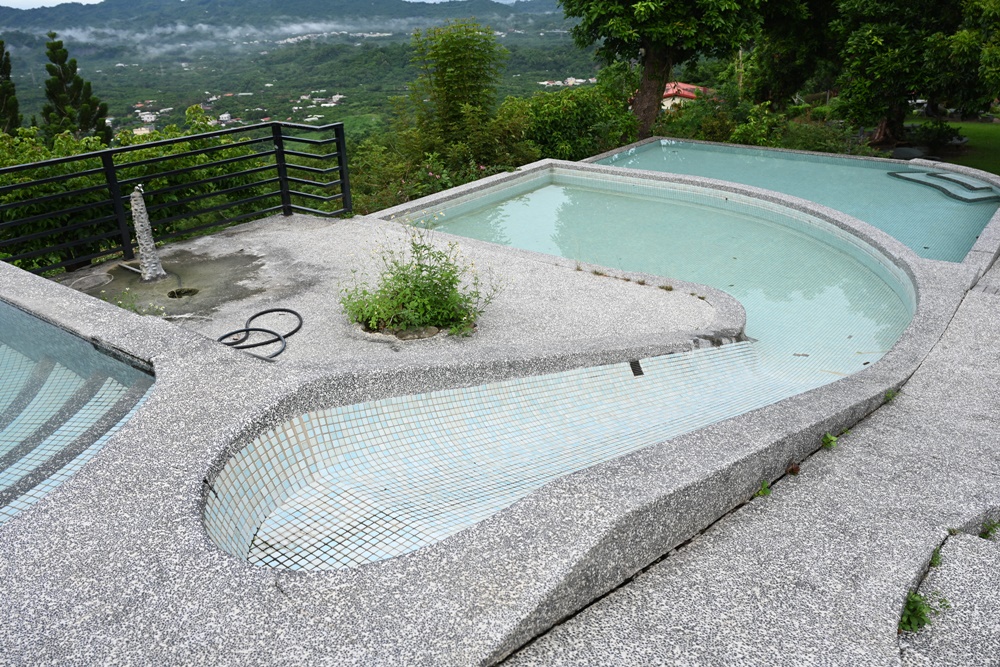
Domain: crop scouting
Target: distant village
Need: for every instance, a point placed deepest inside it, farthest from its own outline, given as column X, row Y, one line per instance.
column 148, row 114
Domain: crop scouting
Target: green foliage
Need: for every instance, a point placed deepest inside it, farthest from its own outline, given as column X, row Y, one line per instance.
column 918, row 610
column 459, row 66
column 167, row 204
column 571, row 124
column 761, row 128
column 10, row 119
column 425, row 286
column 58, row 223
column 990, row 529
column 890, row 395
column 916, row 613
column 72, row 107
column 829, row 441
column 660, row 35
column 764, row 490
column 935, row 134
column 936, row 557
column 53, row 225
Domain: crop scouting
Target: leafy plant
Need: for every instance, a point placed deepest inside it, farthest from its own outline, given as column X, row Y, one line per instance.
column 764, row 490
column 890, row 394
column 918, row 610
column 936, row 558
column 990, row 529
column 424, row 286
column 829, row 441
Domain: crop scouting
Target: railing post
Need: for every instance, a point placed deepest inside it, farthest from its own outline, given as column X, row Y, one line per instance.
column 279, row 160
column 345, row 182
column 124, row 233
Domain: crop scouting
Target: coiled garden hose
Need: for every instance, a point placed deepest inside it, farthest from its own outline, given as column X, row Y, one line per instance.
column 245, row 331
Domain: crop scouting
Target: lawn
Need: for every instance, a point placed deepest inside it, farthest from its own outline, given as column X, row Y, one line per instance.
column 983, row 149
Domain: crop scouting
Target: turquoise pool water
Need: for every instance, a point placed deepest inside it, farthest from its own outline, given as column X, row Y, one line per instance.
column 350, row 485
column 920, row 215
column 60, row 400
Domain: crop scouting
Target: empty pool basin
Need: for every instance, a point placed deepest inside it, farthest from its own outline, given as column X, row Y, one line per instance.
column 60, row 400
column 356, row 484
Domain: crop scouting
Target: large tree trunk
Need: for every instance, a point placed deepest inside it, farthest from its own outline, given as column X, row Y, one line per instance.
column 656, row 68
column 889, row 131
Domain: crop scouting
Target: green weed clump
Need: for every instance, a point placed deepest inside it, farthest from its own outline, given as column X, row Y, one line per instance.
column 764, row 490
column 829, row 441
column 989, row 530
column 422, row 287
column 918, row 610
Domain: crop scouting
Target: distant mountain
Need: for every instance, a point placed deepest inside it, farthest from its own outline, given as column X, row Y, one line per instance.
column 144, row 14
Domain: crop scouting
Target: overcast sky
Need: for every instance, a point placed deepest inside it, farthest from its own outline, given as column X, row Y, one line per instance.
column 28, row 4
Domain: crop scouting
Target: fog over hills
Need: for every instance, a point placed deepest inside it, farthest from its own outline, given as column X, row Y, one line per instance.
column 178, row 15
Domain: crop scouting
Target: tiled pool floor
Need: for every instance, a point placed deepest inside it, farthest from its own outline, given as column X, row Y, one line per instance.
column 385, row 478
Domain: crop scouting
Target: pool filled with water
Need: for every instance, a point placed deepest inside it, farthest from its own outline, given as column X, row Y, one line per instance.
column 60, row 400
column 350, row 485
column 925, row 218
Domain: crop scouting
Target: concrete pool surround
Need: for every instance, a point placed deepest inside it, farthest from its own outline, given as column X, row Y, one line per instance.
column 116, row 564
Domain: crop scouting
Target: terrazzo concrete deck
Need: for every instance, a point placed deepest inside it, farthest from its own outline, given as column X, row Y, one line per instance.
column 115, row 566
column 303, row 263
column 817, row 572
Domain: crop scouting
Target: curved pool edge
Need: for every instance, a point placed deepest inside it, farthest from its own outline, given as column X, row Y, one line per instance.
column 981, row 256
column 127, row 530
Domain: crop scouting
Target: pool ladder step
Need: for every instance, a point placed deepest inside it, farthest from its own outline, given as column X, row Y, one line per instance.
column 956, row 186
column 53, row 418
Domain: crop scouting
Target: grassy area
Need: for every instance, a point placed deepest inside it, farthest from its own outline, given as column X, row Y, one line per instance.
column 983, row 149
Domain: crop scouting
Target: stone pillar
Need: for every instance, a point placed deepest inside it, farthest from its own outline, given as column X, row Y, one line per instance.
column 149, row 260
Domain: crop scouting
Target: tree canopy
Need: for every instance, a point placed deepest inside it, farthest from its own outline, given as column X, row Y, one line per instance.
column 72, row 106
column 10, row 119
column 660, row 34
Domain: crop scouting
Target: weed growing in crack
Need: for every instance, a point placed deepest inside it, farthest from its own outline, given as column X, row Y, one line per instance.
column 918, row 610
column 989, row 530
column 829, row 441
column 764, row 490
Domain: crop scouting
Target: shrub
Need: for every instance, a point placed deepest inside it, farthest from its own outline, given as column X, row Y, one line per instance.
column 934, row 134
column 425, row 286
column 570, row 124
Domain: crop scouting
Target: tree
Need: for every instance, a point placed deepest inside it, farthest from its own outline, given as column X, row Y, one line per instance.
column 71, row 107
column 459, row 66
column 660, row 34
column 795, row 44
column 10, row 119
column 889, row 57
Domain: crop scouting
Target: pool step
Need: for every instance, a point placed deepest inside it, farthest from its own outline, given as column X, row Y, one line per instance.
column 956, row 186
column 96, row 407
column 39, row 400
column 15, row 370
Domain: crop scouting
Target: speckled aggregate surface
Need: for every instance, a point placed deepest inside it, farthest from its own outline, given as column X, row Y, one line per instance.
column 115, row 567
column 817, row 572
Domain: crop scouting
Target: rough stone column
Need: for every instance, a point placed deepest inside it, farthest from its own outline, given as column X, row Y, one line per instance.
column 149, row 260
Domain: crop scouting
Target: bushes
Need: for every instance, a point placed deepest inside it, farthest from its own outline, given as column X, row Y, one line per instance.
column 571, row 124
column 423, row 287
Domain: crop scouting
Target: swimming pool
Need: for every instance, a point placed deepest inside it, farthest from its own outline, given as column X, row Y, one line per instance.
column 349, row 485
column 60, row 400
column 938, row 214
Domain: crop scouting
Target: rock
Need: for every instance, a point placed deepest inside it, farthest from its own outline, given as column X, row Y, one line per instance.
column 417, row 333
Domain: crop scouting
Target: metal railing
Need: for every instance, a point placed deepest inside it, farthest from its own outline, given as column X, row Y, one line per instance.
column 66, row 212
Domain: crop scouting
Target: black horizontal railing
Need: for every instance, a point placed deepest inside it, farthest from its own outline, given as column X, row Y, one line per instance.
column 67, row 212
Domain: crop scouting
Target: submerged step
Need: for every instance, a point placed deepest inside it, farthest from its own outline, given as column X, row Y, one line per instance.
column 967, row 182
column 946, row 184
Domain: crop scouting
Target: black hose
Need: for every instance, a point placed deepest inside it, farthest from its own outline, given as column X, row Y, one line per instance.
column 241, row 342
